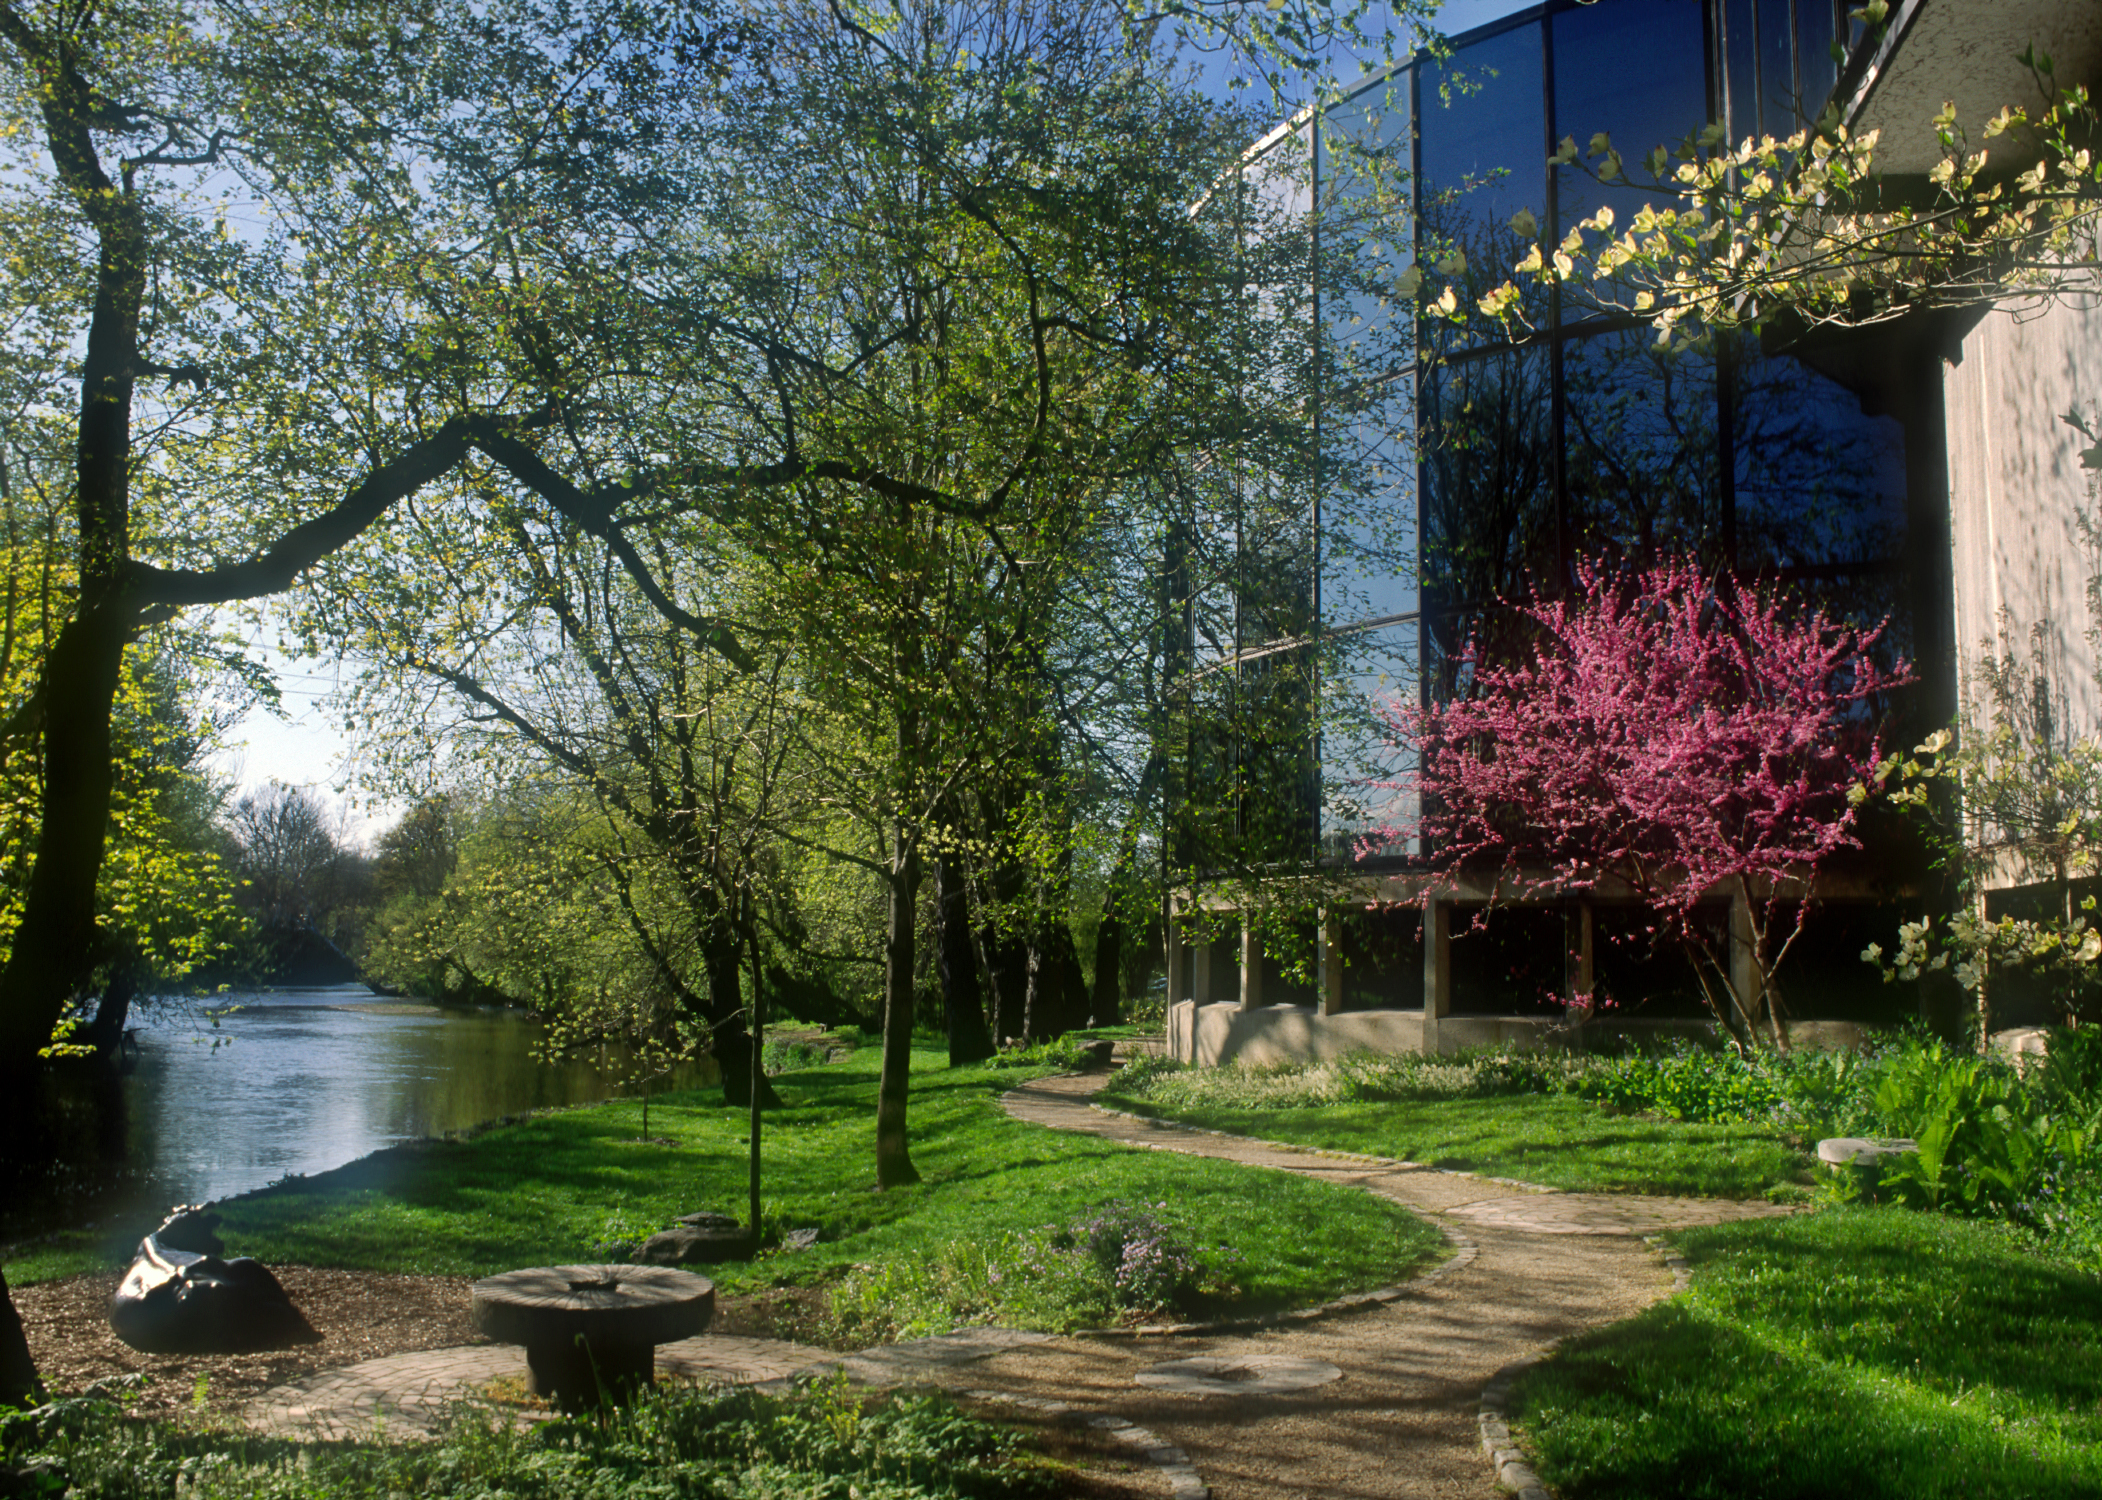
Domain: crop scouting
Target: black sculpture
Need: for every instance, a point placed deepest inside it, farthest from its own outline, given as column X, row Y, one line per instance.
column 181, row 1297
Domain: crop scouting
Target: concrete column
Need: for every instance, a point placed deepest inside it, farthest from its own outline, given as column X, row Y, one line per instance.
column 1330, row 963
column 1437, row 967
column 1251, row 966
column 1178, row 961
column 1201, row 970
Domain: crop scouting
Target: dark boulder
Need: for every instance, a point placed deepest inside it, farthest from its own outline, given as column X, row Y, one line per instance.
column 175, row 1300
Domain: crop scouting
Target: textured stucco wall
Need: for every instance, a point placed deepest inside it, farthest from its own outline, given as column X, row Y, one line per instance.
column 2016, row 489
column 1218, row 1035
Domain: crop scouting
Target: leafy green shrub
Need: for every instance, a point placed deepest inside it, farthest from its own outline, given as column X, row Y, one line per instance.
column 1687, row 1083
column 791, row 1056
column 676, row 1443
column 1123, row 1262
column 1986, row 1140
column 1058, row 1053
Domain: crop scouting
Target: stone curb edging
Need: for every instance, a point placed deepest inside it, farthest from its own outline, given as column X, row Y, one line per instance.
column 1492, row 1420
column 1512, row 1471
column 1681, row 1270
column 1321, row 1151
column 1174, row 1464
column 1464, row 1252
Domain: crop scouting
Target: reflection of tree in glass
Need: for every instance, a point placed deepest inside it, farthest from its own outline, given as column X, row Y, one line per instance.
column 1487, row 451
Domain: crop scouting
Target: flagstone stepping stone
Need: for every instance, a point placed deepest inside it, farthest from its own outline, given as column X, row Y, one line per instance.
column 1238, row 1375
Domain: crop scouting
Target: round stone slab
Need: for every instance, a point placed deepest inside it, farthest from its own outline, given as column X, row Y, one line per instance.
column 1239, row 1375
column 1841, row 1150
column 592, row 1330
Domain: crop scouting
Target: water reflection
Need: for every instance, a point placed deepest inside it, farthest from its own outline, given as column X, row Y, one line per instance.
column 303, row 1081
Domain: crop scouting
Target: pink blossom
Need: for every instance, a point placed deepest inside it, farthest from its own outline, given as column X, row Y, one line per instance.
column 1686, row 737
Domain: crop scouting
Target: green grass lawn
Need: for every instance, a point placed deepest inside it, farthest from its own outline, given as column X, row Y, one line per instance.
column 549, row 1189
column 1856, row 1352
column 1552, row 1139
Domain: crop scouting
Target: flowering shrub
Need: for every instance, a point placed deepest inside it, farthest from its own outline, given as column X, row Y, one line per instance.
column 1131, row 1244
column 1673, row 734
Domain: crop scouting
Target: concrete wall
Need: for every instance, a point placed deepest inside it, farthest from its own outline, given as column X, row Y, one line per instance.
column 2015, row 490
column 1219, row 1035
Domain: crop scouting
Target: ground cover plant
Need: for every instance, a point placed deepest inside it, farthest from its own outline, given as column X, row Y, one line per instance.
column 1012, row 1223
column 675, row 1443
column 1862, row 1351
column 1504, row 1115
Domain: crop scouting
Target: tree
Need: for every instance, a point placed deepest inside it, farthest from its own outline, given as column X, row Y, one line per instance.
column 1806, row 232
column 1672, row 737
column 332, row 359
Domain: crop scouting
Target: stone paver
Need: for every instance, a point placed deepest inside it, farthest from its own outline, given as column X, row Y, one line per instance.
column 407, row 1394
column 1249, row 1375
column 1606, row 1213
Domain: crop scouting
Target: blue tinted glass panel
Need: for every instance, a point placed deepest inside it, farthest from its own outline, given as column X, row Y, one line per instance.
column 1640, row 445
column 1777, row 90
column 1368, row 491
column 1741, row 52
column 1489, row 514
column 1358, row 753
column 1819, row 483
column 1636, row 70
column 1484, row 150
column 1815, row 29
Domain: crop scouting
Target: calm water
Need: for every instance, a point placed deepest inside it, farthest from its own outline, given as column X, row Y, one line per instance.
column 305, row 1080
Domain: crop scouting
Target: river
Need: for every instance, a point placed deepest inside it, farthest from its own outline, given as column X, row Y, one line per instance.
column 299, row 1081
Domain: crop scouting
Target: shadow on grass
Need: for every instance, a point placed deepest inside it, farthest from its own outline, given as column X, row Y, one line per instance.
column 1859, row 1353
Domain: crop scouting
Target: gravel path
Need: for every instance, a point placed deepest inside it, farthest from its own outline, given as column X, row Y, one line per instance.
column 1401, row 1419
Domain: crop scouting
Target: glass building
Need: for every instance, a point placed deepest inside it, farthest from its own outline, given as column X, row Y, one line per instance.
column 1452, row 466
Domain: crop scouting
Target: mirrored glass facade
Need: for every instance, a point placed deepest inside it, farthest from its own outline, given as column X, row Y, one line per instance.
column 1454, row 468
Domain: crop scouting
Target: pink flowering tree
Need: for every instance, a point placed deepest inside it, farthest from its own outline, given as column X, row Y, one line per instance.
column 1675, row 737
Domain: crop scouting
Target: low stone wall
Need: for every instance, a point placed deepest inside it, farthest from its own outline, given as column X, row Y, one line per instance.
column 1219, row 1035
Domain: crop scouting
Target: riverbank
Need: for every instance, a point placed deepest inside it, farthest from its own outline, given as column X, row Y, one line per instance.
column 1007, row 1224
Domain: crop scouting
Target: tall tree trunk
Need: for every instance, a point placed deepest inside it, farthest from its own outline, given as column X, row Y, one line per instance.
column 730, row 1038
column 19, row 1385
column 1105, row 1007
column 1111, row 933
column 106, row 1031
column 963, row 1004
column 54, row 950
column 893, row 1160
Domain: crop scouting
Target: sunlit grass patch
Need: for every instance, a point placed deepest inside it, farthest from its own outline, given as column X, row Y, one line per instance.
column 1463, row 1116
column 1865, row 1352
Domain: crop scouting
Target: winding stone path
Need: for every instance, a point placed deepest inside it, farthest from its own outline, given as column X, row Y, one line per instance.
column 1396, row 1418
column 1401, row 1419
